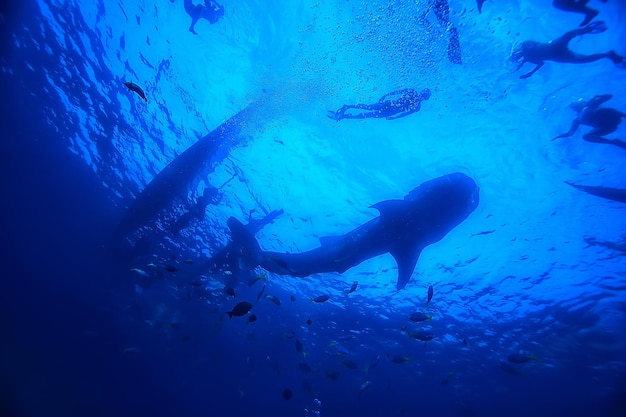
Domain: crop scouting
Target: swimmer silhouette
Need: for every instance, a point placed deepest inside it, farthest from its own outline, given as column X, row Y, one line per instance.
column 409, row 102
column 577, row 6
column 211, row 11
column 603, row 120
column 558, row 50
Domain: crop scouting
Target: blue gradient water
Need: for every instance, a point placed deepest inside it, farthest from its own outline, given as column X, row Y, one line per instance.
column 538, row 268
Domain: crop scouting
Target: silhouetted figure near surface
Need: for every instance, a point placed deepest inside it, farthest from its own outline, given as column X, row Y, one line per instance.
column 479, row 4
column 408, row 102
column 210, row 195
column 211, row 11
column 578, row 6
column 441, row 9
column 558, row 50
column 603, row 120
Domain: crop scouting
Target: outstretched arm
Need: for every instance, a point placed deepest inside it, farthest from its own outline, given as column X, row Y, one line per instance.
column 539, row 65
column 571, row 131
column 596, row 101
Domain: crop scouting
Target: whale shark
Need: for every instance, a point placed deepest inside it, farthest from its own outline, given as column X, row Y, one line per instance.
column 180, row 174
column 403, row 229
column 614, row 194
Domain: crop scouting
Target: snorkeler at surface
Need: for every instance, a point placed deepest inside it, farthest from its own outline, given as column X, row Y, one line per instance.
column 578, row 6
column 210, row 11
column 603, row 120
column 408, row 103
column 558, row 50
column 441, row 9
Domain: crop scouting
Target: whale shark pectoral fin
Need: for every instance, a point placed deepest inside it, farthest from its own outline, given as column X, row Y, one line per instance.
column 406, row 260
column 249, row 248
column 389, row 208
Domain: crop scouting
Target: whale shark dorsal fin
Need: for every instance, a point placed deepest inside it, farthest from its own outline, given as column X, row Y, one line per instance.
column 406, row 258
column 329, row 240
column 389, row 208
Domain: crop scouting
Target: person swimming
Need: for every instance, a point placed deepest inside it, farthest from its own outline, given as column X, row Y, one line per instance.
column 408, row 102
column 558, row 50
column 211, row 11
column 211, row 195
column 578, row 6
column 603, row 120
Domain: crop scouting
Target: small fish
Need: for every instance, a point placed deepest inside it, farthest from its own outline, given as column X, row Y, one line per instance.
column 465, row 341
column 448, row 378
column 419, row 317
column 309, row 322
column 300, row 348
column 274, row 365
column 423, row 336
column 256, row 279
column 140, row 272
column 521, row 358
column 353, row 287
column 252, row 318
column 308, row 388
column 508, row 368
column 304, row 367
column 230, row 291
column 135, row 88
column 195, row 283
column 289, row 334
column 347, row 338
column 399, row 358
column 258, row 297
column 333, row 375
column 320, row 299
column 273, row 299
column 349, row 364
column 170, row 268
column 188, row 261
column 373, row 364
column 292, row 298
column 363, row 387
column 240, row 309
column 287, row 394
column 132, row 349
column 430, row 295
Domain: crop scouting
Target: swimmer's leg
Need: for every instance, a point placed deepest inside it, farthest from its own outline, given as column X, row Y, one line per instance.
column 596, row 136
column 579, row 6
column 575, row 58
column 194, row 20
column 189, row 7
column 563, row 40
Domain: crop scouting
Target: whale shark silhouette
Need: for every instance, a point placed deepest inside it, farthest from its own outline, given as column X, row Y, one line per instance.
column 182, row 171
column 403, row 229
column 614, row 194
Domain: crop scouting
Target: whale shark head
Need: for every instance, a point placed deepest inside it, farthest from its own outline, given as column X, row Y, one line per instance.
column 430, row 211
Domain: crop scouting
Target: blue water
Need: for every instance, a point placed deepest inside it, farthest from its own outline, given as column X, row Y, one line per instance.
column 91, row 327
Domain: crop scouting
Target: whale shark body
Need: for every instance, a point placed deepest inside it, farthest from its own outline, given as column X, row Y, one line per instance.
column 614, row 194
column 403, row 229
column 175, row 179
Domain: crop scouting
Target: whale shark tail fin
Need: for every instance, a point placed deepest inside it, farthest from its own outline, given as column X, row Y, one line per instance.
column 250, row 253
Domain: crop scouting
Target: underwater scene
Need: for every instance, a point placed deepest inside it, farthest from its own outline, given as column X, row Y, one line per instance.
column 313, row 208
